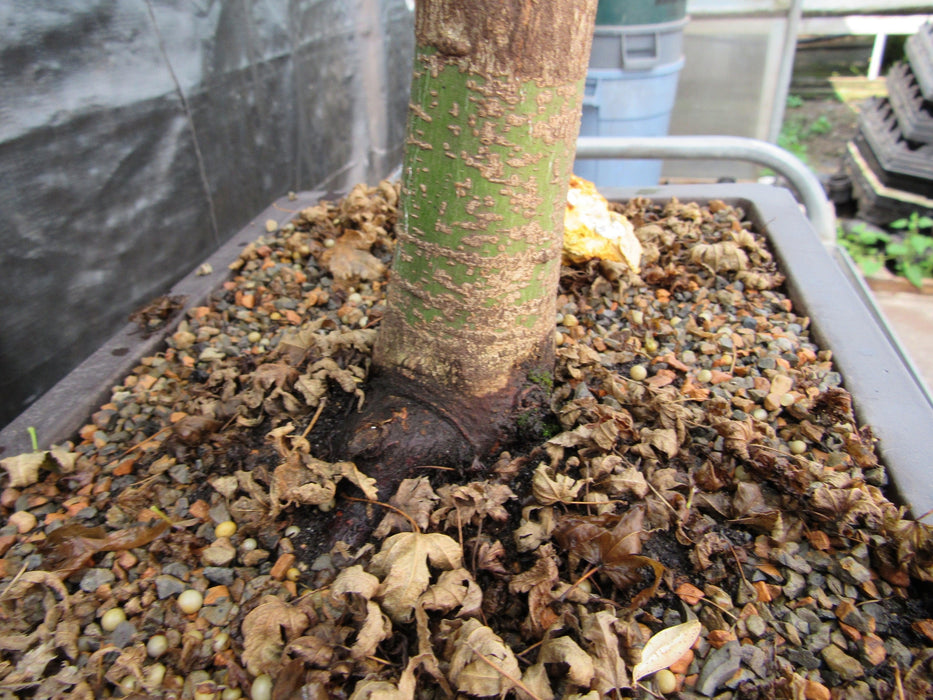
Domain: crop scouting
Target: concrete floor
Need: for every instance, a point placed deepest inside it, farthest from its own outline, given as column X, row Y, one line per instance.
column 910, row 316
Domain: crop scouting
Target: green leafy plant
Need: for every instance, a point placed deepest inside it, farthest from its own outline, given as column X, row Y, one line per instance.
column 909, row 255
column 795, row 132
column 913, row 254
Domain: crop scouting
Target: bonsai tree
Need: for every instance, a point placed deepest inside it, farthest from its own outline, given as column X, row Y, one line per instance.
column 466, row 343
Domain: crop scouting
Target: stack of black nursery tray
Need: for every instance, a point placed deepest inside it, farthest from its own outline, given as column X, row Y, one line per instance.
column 890, row 161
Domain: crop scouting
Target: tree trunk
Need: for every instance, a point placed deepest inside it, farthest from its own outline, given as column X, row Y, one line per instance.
column 468, row 331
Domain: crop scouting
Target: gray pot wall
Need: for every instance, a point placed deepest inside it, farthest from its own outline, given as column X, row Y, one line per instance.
column 886, row 395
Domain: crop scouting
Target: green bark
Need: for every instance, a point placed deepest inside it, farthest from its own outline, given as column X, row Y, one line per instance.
column 494, row 116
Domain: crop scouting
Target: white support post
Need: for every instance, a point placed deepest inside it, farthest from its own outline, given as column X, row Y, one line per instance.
column 877, row 56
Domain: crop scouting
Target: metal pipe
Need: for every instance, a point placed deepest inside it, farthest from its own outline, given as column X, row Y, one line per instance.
column 801, row 178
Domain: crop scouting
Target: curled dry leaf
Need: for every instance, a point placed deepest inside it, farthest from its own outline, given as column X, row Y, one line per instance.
column 539, row 582
column 666, row 647
column 462, row 504
column 580, row 667
column 23, row 469
column 481, row 664
column 266, row 630
column 416, row 498
column 71, row 547
column 724, row 256
column 454, row 589
column 559, row 489
column 402, row 565
column 376, row 627
column 531, row 533
column 355, row 579
column 609, row 668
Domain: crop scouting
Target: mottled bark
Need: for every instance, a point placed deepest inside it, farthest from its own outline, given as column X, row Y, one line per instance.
column 494, row 115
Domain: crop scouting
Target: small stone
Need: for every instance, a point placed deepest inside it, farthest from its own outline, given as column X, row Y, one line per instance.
column 123, row 635
column 757, row 659
column 843, row 664
column 803, row 658
column 219, row 613
column 816, row 691
column 718, row 668
column 181, row 473
column 253, row 557
column 95, row 578
column 898, row 652
column 872, row 648
column 219, row 574
column 789, row 632
column 176, row 569
column 168, row 586
column 794, row 586
column 756, row 626
column 853, row 571
column 281, row 566
column 183, row 340
column 23, row 521
column 220, row 552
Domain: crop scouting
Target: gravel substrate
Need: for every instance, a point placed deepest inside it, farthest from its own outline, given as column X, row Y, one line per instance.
column 702, row 463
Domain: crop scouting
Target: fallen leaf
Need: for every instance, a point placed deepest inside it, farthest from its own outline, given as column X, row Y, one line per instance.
column 559, row 489
column 530, row 533
column 462, row 504
column 480, row 663
column 580, row 667
column 355, row 579
column 609, row 668
column 402, row 565
column 376, row 627
column 266, row 629
column 666, row 647
column 72, row 547
column 415, row 498
column 454, row 589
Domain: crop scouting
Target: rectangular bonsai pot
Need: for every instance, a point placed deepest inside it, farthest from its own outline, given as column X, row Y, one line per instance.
column 886, row 394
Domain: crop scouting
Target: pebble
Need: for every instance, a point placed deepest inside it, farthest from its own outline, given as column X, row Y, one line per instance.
column 219, row 574
column 219, row 553
column 123, row 635
column 838, row 661
column 23, row 521
column 168, row 586
column 95, row 578
column 719, row 667
column 756, row 626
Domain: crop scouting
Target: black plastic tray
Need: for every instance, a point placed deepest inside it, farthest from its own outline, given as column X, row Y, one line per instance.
column 914, row 114
column 920, row 55
column 885, row 393
column 905, row 165
column 878, row 203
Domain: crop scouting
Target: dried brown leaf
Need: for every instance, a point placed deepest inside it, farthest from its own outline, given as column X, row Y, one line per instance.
column 414, row 497
column 462, row 504
column 557, row 489
column 266, row 630
column 454, row 589
column 481, row 664
column 402, row 565
column 70, row 548
column 609, row 668
column 530, row 533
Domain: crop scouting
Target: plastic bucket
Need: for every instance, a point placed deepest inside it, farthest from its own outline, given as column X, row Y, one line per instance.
column 627, row 12
column 630, row 91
